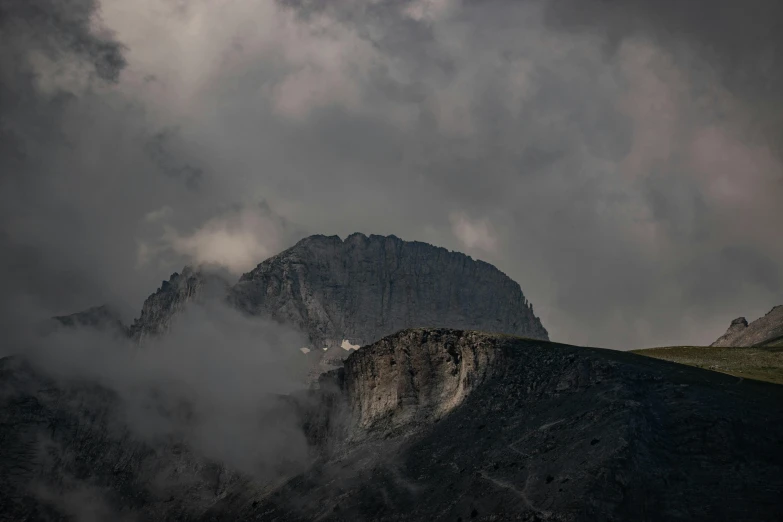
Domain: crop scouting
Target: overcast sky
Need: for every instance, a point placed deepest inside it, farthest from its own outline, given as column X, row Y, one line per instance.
column 623, row 164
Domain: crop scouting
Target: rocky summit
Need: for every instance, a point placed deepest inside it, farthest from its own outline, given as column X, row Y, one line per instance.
column 348, row 293
column 425, row 424
column 764, row 331
column 366, row 287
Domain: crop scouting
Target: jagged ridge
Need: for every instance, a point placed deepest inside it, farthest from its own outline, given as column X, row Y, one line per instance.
column 357, row 290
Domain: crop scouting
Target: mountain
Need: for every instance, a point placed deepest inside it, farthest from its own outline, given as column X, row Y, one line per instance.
column 345, row 294
column 356, row 291
column 764, row 331
column 426, row 424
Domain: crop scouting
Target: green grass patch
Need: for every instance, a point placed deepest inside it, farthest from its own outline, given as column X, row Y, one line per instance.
column 759, row 363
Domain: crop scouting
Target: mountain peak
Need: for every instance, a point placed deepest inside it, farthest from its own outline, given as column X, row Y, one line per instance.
column 365, row 287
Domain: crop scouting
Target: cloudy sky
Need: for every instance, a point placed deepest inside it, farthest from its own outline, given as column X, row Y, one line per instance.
column 621, row 162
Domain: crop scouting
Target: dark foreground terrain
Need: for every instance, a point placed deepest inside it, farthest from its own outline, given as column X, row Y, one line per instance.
column 426, row 425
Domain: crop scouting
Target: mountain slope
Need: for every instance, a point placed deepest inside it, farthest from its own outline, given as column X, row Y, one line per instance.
column 535, row 431
column 763, row 363
column 435, row 424
column 764, row 331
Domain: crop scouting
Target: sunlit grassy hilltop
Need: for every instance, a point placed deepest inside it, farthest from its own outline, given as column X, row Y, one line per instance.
column 763, row 363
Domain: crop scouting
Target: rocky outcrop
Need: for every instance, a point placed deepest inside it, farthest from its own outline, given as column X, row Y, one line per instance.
column 162, row 307
column 366, row 287
column 764, row 331
column 431, row 424
column 414, row 377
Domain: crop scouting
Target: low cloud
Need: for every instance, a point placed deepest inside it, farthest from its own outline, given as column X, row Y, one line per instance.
column 474, row 234
column 214, row 381
column 236, row 240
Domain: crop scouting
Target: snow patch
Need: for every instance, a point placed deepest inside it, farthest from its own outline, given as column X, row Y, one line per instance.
column 346, row 345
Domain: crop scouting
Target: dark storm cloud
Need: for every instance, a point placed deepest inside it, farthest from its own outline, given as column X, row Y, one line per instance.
column 639, row 171
column 158, row 147
column 29, row 124
column 740, row 41
column 99, row 197
column 87, row 171
column 618, row 160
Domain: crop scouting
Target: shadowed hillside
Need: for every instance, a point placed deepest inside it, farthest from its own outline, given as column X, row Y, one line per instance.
column 430, row 424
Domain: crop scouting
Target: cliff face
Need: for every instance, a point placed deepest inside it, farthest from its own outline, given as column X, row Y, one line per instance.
column 364, row 288
column 430, row 424
column 415, row 377
column 767, row 330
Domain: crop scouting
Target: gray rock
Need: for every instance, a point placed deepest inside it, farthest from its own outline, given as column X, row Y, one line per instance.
column 764, row 331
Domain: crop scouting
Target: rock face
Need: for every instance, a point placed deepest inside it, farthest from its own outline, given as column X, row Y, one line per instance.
column 172, row 297
column 364, row 288
column 765, row 331
column 434, row 424
column 413, row 378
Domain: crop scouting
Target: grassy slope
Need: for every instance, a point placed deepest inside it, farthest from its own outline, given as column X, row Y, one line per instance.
column 760, row 363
